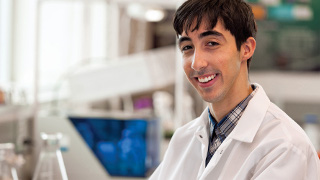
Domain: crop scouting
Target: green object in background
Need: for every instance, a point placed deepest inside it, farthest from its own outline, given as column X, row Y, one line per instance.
column 282, row 13
column 289, row 36
column 252, row 1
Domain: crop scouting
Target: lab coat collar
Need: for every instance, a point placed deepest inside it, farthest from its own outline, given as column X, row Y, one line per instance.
column 201, row 121
column 201, row 125
column 202, row 134
column 252, row 117
column 248, row 124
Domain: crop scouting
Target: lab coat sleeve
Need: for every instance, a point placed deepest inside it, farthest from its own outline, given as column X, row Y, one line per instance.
column 288, row 162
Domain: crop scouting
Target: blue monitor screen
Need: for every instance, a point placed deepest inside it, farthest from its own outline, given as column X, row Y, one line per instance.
column 124, row 147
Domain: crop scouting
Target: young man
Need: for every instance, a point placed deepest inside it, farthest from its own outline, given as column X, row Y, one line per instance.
column 241, row 135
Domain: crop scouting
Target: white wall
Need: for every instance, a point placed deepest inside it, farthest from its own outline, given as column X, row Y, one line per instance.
column 5, row 40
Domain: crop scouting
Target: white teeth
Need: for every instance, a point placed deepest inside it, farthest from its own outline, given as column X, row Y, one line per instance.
column 206, row 79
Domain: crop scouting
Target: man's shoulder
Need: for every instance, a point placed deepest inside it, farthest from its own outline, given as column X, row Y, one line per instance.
column 278, row 113
column 279, row 126
column 278, row 116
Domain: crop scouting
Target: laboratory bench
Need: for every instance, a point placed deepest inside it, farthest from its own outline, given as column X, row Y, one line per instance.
column 19, row 126
column 80, row 161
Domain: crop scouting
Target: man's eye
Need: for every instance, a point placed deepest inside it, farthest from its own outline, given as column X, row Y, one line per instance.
column 185, row 48
column 212, row 43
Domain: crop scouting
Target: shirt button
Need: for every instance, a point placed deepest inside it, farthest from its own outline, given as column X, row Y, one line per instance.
column 221, row 151
column 200, row 136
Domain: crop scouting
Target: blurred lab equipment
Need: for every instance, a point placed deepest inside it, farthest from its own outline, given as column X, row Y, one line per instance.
column 16, row 127
column 8, row 162
column 163, row 108
column 50, row 164
column 2, row 100
column 136, row 73
column 126, row 145
column 311, row 127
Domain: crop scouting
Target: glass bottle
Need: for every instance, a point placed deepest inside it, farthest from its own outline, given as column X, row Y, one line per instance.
column 50, row 164
column 311, row 128
column 7, row 158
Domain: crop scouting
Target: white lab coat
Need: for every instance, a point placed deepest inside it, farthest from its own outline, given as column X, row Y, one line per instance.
column 266, row 144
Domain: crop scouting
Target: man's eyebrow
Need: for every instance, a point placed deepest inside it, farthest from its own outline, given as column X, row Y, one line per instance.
column 181, row 39
column 202, row 35
column 210, row 33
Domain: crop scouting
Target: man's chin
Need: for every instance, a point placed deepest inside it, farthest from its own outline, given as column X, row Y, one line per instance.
column 212, row 98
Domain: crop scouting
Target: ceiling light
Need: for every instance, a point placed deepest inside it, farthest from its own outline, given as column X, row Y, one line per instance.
column 140, row 12
column 154, row 15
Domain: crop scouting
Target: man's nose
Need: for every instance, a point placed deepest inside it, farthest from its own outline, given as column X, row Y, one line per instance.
column 198, row 61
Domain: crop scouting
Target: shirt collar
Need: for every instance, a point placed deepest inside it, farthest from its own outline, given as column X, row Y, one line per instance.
column 227, row 124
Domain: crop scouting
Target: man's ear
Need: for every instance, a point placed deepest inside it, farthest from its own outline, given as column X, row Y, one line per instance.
column 247, row 48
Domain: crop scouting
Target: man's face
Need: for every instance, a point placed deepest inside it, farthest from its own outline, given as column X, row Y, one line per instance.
column 212, row 62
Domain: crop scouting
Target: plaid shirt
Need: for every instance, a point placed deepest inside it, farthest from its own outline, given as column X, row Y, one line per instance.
column 220, row 131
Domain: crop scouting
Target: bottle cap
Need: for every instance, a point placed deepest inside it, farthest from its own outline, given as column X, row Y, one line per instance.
column 311, row 118
column 51, row 139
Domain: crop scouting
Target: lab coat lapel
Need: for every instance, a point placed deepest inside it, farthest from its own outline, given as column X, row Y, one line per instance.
column 252, row 117
column 202, row 136
column 219, row 157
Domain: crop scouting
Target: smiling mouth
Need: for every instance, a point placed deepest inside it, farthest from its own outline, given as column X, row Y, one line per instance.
column 206, row 79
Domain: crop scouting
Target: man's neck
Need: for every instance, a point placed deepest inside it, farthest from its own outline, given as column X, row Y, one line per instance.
column 220, row 109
